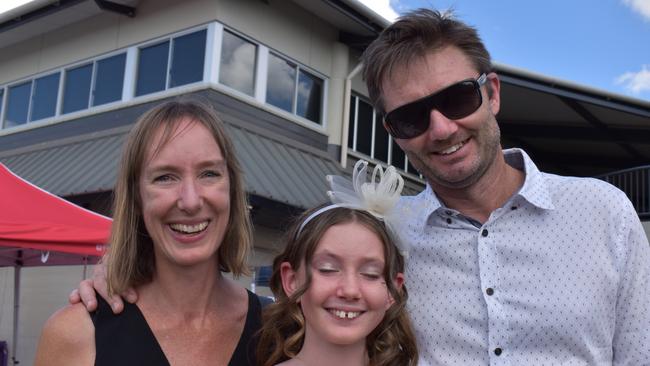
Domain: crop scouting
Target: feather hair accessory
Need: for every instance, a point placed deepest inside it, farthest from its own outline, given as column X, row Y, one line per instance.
column 379, row 196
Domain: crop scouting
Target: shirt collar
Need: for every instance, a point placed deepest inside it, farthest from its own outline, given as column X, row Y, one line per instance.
column 534, row 190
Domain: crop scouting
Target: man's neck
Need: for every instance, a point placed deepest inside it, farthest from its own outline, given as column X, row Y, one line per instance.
column 490, row 192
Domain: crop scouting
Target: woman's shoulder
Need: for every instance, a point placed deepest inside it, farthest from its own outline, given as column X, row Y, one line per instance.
column 67, row 338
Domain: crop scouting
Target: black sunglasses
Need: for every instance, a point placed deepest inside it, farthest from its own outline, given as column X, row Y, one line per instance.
column 454, row 102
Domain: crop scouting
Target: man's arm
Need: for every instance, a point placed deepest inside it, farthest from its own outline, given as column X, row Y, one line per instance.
column 86, row 291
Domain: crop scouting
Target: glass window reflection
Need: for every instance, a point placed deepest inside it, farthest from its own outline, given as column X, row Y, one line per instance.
column 76, row 93
column 109, row 79
column 237, row 68
column 45, row 93
column 364, row 127
column 310, row 90
column 18, row 104
column 188, row 57
column 152, row 69
column 281, row 83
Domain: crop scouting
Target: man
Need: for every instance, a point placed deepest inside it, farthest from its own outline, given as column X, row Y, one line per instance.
column 508, row 265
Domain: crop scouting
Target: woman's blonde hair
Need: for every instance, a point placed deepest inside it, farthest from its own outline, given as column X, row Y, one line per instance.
column 131, row 257
column 392, row 342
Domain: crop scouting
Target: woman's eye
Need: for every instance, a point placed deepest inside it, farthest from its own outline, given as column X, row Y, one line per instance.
column 163, row 178
column 211, row 174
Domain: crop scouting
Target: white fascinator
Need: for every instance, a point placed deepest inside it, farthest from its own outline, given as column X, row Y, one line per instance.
column 378, row 196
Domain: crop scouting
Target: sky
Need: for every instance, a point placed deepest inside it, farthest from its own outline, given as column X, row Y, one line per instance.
column 602, row 44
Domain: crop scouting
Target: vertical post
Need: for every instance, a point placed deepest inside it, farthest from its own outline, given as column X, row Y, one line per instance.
column 17, row 267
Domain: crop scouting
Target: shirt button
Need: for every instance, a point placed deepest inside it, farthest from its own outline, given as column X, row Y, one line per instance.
column 489, row 291
column 484, row 233
column 448, row 220
column 513, row 208
column 497, row 351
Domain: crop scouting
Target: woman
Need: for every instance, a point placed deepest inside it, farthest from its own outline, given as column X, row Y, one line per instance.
column 180, row 220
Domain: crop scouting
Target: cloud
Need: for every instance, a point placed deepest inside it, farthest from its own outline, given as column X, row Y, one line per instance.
column 381, row 7
column 636, row 82
column 640, row 6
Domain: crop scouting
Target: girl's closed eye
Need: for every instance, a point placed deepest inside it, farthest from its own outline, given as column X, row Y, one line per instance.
column 372, row 275
column 327, row 269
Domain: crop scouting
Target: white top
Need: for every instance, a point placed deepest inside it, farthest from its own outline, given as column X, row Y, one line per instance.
column 560, row 275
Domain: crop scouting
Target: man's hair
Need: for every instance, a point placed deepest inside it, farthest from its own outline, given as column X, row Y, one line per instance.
column 131, row 256
column 412, row 36
column 392, row 342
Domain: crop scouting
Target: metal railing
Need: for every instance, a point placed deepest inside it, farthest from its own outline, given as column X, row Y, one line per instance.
column 635, row 182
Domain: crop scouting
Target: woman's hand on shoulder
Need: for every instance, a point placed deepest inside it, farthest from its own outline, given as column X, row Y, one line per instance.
column 67, row 338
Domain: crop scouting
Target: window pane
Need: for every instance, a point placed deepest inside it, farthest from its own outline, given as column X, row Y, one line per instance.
column 77, row 88
column 18, row 104
column 411, row 169
column 310, row 90
column 381, row 140
column 46, row 91
column 353, row 111
column 152, row 69
column 237, row 63
column 398, row 159
column 109, row 79
column 281, row 83
column 187, row 59
column 364, row 127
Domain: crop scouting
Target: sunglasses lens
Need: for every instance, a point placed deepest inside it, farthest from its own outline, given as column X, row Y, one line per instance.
column 459, row 100
column 455, row 102
column 408, row 121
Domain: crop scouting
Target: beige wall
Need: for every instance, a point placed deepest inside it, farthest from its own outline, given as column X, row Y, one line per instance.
column 282, row 26
column 43, row 291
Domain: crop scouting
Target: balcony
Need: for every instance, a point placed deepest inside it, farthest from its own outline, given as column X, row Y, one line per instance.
column 635, row 182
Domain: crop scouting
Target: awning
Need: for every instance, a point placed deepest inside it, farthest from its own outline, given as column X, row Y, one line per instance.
column 274, row 166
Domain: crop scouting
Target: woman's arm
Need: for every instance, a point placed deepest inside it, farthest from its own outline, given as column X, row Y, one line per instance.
column 68, row 338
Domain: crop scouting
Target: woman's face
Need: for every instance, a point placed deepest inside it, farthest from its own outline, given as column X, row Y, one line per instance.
column 185, row 195
column 348, row 296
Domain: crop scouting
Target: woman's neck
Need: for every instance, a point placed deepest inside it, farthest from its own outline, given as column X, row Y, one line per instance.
column 191, row 291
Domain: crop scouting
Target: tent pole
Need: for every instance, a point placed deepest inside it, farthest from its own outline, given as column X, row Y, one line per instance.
column 17, row 267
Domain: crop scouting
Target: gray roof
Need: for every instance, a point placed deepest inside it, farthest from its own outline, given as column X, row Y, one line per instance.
column 274, row 167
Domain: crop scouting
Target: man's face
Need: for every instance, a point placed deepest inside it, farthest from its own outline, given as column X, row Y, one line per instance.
column 450, row 153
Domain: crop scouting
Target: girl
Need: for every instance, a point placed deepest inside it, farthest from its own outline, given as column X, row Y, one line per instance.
column 340, row 298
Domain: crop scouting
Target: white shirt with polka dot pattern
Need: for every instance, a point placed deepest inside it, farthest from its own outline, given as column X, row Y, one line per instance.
column 560, row 275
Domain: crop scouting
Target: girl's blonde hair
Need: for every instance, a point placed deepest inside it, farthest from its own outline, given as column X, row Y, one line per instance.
column 392, row 342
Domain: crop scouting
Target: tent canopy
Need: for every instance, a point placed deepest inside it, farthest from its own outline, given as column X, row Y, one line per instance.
column 39, row 228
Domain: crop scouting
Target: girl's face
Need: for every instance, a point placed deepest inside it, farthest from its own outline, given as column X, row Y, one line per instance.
column 348, row 296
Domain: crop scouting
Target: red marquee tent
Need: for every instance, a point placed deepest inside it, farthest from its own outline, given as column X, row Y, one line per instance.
column 38, row 228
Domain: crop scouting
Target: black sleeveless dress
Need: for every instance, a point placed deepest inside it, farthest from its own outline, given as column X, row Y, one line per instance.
column 126, row 339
